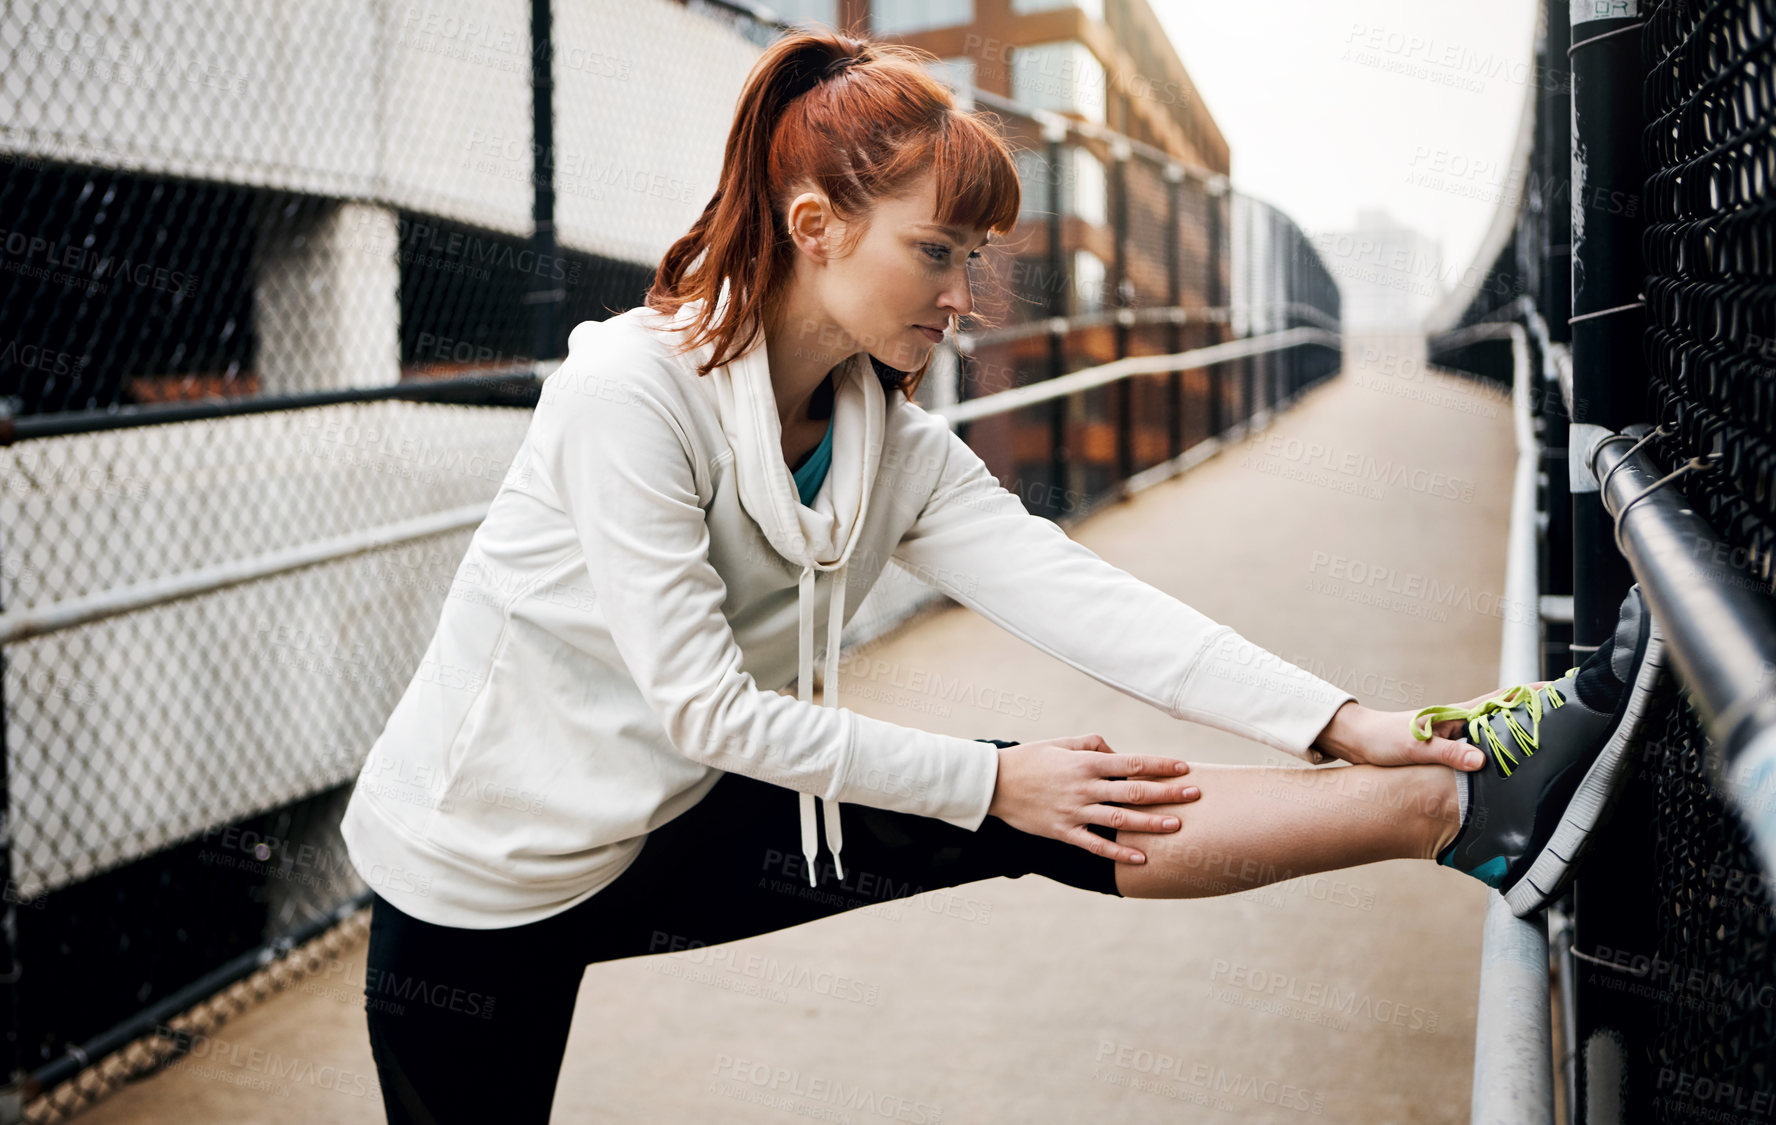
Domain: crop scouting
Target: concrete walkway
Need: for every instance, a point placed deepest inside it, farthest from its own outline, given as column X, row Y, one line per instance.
column 1362, row 536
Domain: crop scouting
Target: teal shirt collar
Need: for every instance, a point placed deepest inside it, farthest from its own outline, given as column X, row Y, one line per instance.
column 812, row 474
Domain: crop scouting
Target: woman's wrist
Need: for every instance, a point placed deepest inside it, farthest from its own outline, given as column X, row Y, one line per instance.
column 1364, row 736
column 1333, row 740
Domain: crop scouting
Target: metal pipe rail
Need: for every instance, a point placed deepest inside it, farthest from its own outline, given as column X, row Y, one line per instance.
column 1160, row 314
column 1473, row 334
column 35, row 621
column 1720, row 628
column 1513, row 1038
column 1498, row 326
column 1105, row 373
column 477, row 389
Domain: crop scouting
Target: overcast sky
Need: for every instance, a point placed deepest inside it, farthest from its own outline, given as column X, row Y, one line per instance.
column 1409, row 105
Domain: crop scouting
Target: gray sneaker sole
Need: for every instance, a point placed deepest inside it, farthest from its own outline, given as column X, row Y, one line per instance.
column 1596, row 795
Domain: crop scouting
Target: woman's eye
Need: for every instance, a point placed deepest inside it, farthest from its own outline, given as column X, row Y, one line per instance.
column 937, row 253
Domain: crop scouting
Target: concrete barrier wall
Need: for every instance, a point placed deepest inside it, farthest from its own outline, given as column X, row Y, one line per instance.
column 343, row 98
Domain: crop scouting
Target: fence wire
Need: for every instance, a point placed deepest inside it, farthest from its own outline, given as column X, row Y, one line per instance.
column 1710, row 249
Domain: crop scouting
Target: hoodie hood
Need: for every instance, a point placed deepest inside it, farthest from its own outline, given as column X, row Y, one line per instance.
column 818, row 539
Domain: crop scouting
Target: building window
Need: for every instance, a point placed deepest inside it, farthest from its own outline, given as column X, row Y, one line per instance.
column 1033, row 183
column 1092, row 8
column 956, row 72
column 1088, row 282
column 1089, row 196
column 902, row 17
column 1085, row 185
column 1063, row 76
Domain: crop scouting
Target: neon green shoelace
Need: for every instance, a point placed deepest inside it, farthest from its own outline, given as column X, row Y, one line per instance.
column 1528, row 741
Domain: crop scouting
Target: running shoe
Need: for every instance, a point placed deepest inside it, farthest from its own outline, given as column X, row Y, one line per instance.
column 1558, row 759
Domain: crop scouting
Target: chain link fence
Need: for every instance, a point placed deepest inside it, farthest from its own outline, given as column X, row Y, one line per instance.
column 1667, row 944
column 275, row 300
column 1710, row 259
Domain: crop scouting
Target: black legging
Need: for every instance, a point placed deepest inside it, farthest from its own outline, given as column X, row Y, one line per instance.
column 471, row 1025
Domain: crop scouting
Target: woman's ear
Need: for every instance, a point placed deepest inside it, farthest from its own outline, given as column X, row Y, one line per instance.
column 810, row 222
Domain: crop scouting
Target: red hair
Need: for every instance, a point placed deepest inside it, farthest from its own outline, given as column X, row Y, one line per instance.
column 814, row 98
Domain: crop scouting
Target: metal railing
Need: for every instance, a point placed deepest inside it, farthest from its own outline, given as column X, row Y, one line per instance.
column 1115, row 371
column 1720, row 629
column 1513, row 1054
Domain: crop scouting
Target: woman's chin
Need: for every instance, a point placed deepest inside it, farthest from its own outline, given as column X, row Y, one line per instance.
column 905, row 359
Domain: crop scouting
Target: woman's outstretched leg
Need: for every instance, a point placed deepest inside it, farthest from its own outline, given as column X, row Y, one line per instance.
column 1261, row 824
column 1557, row 756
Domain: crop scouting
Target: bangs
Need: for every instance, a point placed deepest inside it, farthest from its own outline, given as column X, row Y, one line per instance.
column 977, row 181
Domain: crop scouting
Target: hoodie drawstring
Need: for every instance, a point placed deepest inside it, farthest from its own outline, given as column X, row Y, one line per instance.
column 829, row 697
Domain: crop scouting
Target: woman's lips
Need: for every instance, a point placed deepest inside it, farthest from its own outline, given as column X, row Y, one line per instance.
column 931, row 334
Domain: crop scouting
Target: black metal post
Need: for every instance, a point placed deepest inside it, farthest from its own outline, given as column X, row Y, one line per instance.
column 1248, row 371
column 1286, row 361
column 1283, row 363
column 1215, row 203
column 1057, row 290
column 964, row 384
column 1554, row 115
column 1554, row 122
column 1123, row 388
column 13, row 1095
column 1259, row 378
column 1174, row 333
column 1612, row 904
column 1608, row 322
column 547, row 296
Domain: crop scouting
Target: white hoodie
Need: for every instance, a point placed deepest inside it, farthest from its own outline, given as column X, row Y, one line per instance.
column 645, row 581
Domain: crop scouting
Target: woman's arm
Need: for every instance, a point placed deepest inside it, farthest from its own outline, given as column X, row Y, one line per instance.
column 977, row 542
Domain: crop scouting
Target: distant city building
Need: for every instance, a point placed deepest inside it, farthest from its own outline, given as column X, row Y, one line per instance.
column 1390, row 274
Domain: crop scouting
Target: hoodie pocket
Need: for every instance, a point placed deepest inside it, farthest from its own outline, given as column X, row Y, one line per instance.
column 478, row 710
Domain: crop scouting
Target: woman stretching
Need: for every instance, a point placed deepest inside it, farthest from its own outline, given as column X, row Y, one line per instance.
column 709, row 483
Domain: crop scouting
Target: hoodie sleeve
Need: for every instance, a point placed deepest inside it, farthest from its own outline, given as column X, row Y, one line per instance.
column 622, row 468
column 977, row 542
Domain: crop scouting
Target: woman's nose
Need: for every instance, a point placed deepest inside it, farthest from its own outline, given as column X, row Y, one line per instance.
column 958, row 299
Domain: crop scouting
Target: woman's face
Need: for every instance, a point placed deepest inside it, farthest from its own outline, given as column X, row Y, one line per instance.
column 903, row 274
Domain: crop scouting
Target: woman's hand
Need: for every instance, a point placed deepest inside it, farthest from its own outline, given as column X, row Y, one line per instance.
column 1056, row 788
column 1363, row 736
